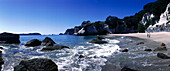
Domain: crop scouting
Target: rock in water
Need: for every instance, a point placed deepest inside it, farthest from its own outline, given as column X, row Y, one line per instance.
column 48, row 42
column 1, row 60
column 140, row 43
column 124, row 50
column 38, row 64
column 148, row 50
column 81, row 56
column 100, row 38
column 56, row 47
column 161, row 49
column 163, row 56
column 34, row 42
column 97, row 41
column 9, row 38
column 127, row 69
column 162, row 45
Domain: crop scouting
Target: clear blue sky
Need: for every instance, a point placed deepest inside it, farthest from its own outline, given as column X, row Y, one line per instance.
column 55, row 16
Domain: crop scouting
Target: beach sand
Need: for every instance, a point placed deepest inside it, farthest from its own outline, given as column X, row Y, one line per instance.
column 162, row 37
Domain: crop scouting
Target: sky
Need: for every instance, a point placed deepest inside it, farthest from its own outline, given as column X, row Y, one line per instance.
column 55, row 16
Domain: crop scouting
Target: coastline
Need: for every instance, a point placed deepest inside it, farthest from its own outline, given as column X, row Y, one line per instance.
column 162, row 37
column 151, row 61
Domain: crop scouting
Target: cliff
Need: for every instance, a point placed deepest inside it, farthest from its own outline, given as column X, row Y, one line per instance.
column 150, row 18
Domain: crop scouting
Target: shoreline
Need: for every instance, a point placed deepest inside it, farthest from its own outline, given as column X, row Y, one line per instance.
column 161, row 37
column 149, row 57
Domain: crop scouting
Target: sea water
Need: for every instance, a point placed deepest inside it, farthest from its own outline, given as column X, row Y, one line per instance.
column 97, row 57
column 67, row 59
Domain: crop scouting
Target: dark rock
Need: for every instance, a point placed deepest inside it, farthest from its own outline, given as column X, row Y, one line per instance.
column 140, row 43
column 55, row 47
column 124, row 50
column 127, row 69
column 161, row 49
column 81, row 56
column 148, row 50
column 38, row 64
column 163, row 56
column 34, row 42
column 100, row 38
column 48, row 42
column 97, row 41
column 9, row 38
column 1, row 60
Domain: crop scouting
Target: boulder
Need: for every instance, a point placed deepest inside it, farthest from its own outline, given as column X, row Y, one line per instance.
column 148, row 50
column 162, row 45
column 124, row 50
column 162, row 56
column 38, row 64
column 9, row 38
column 34, row 42
column 97, row 41
column 1, row 60
column 55, row 47
column 160, row 49
column 127, row 69
column 48, row 42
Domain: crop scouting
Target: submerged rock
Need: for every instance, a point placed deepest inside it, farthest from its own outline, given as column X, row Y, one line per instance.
column 34, row 42
column 100, row 38
column 148, row 50
column 56, row 47
column 38, row 64
column 163, row 56
column 161, row 49
column 81, row 56
column 48, row 42
column 97, row 41
column 140, row 43
column 127, row 69
column 9, row 38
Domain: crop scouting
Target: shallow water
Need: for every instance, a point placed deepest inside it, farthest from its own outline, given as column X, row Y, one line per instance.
column 66, row 59
column 97, row 56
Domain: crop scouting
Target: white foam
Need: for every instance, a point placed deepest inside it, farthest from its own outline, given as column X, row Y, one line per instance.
column 94, row 54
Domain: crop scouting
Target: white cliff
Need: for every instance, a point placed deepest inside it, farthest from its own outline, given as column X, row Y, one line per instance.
column 163, row 24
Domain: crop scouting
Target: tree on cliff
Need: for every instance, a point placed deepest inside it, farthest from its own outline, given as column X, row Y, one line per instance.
column 141, row 28
column 112, row 21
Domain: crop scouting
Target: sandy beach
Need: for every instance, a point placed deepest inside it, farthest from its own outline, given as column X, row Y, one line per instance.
column 163, row 37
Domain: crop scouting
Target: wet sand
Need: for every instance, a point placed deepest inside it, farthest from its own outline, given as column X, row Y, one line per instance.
column 145, row 63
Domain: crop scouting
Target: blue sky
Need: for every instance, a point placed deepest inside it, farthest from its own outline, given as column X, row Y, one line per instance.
column 55, row 16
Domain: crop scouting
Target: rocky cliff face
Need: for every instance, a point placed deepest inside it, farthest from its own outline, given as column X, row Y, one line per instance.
column 163, row 24
column 155, row 17
column 73, row 31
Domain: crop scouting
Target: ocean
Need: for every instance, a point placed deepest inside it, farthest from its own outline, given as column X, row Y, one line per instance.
column 97, row 57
